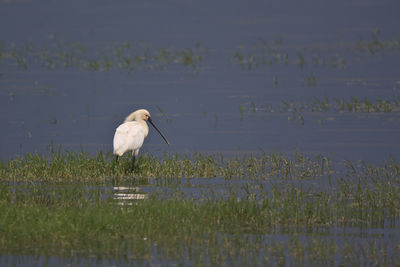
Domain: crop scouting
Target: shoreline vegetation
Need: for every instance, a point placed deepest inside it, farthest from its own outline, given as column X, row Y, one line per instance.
column 66, row 166
column 325, row 212
column 81, row 166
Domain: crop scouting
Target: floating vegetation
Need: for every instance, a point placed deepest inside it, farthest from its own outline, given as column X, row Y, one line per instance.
column 285, row 209
column 45, row 90
column 376, row 45
column 296, row 109
column 125, row 56
column 335, row 56
column 11, row 95
column 275, row 53
column 261, row 54
column 129, row 56
column 52, row 120
column 309, row 80
column 357, row 105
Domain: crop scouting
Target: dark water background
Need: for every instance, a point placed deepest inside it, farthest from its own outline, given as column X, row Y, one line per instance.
column 214, row 104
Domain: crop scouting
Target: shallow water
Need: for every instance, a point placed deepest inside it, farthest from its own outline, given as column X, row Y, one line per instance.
column 270, row 247
column 373, row 243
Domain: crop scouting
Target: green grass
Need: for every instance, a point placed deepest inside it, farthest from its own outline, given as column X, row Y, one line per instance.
column 184, row 230
column 68, row 166
column 285, row 209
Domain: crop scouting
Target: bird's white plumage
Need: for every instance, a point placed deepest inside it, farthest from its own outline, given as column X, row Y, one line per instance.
column 129, row 136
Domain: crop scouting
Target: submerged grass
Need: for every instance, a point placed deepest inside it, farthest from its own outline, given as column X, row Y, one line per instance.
column 125, row 56
column 203, row 232
column 289, row 209
column 338, row 105
column 295, row 110
column 276, row 52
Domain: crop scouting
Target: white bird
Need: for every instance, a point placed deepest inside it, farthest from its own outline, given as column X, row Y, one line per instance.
column 130, row 135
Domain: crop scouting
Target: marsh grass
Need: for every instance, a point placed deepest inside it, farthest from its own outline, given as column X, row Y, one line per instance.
column 186, row 231
column 275, row 53
column 277, row 56
column 63, row 205
column 69, row 166
column 125, row 56
column 130, row 56
column 296, row 110
column 332, row 55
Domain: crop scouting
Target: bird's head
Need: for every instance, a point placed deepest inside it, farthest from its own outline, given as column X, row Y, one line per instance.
column 138, row 115
column 144, row 115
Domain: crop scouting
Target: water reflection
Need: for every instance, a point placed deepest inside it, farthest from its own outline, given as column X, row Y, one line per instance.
column 127, row 195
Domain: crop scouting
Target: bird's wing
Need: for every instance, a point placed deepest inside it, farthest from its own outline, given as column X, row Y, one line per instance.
column 128, row 136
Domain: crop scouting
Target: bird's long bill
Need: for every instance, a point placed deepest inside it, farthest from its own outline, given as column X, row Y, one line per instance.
column 165, row 139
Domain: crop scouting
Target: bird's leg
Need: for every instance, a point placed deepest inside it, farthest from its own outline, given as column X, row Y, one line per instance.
column 133, row 163
column 116, row 158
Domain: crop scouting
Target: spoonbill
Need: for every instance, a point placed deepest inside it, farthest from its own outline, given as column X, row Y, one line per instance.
column 130, row 135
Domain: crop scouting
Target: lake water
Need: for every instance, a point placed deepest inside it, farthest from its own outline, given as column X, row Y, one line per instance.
column 252, row 53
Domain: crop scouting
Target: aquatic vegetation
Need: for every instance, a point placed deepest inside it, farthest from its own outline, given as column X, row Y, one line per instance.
column 268, row 208
column 331, row 55
column 325, row 105
column 357, row 105
column 45, row 90
column 264, row 54
column 293, row 205
column 261, row 54
column 69, row 166
column 309, row 59
column 301, row 61
column 125, row 56
column 376, row 45
column 309, row 80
